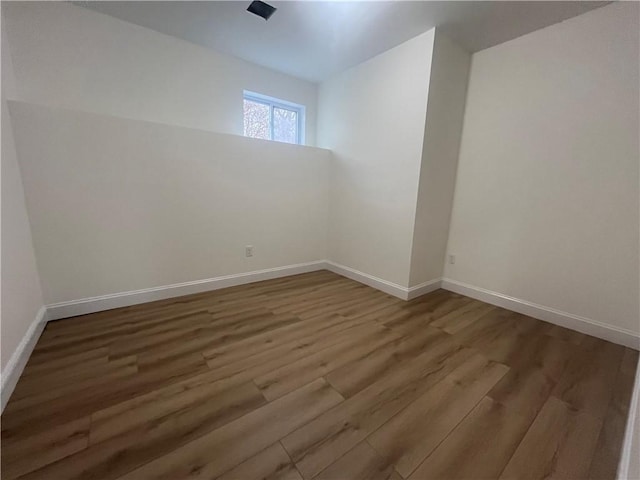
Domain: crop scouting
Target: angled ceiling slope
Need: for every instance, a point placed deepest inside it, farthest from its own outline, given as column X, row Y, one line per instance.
column 315, row 40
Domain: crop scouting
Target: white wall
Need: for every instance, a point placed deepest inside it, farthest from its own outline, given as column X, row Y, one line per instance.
column 119, row 205
column 68, row 56
column 634, row 463
column 546, row 201
column 443, row 129
column 629, row 468
column 21, row 296
column 372, row 116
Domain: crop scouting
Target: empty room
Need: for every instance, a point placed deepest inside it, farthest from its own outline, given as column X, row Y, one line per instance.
column 329, row 240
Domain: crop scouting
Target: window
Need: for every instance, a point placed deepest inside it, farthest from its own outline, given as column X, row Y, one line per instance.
column 273, row 119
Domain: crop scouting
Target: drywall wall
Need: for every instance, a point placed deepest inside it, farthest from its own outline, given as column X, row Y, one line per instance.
column 69, row 56
column 629, row 466
column 546, row 199
column 634, row 459
column 119, row 205
column 372, row 117
column 21, row 296
column 441, row 143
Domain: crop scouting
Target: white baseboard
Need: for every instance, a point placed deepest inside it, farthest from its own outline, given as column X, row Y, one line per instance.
column 626, row 469
column 375, row 282
column 424, row 288
column 404, row 293
column 18, row 360
column 557, row 317
column 125, row 299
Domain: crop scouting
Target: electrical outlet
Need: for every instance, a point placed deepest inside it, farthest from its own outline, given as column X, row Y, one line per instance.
column 452, row 259
column 248, row 251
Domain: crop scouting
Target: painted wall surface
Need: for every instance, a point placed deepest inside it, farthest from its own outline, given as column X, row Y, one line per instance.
column 372, row 117
column 21, row 296
column 443, row 129
column 119, row 205
column 546, row 200
column 68, row 56
column 630, row 462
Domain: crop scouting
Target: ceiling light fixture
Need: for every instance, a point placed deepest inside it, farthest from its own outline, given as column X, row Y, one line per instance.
column 261, row 9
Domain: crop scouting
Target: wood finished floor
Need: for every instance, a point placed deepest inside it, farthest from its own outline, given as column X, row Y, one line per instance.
column 316, row 376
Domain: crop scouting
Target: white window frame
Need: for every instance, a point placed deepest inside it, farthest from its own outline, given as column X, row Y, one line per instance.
column 273, row 102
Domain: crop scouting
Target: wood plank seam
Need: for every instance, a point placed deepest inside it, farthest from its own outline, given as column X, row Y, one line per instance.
column 183, row 381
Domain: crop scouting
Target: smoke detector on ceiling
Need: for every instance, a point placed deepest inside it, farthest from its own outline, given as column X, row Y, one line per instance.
column 261, row 9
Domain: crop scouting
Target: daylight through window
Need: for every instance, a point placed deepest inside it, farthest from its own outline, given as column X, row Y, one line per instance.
column 273, row 119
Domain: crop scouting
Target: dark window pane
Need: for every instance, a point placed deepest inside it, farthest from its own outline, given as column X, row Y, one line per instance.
column 285, row 125
column 257, row 120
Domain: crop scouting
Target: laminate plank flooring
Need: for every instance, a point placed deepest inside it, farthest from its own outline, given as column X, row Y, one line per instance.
column 316, row 377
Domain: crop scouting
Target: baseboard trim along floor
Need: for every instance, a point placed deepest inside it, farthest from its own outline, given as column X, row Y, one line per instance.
column 169, row 388
column 547, row 314
column 85, row 306
column 20, row 357
column 135, row 297
column 404, row 293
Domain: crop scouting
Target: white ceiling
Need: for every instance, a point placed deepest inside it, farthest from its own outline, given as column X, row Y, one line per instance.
column 314, row 40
